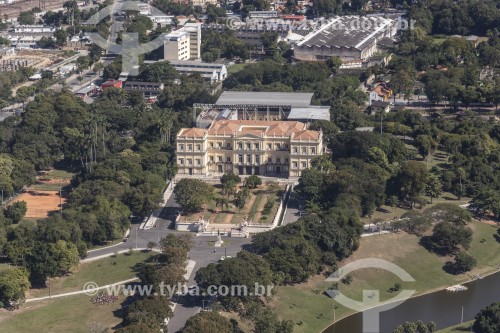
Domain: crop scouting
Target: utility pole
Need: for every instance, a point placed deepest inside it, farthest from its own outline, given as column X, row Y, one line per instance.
column 203, row 304
column 60, row 196
column 381, row 118
column 136, row 237
column 158, row 229
column 462, row 318
column 334, row 315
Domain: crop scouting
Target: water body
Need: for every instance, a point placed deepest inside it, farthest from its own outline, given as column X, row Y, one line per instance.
column 442, row 307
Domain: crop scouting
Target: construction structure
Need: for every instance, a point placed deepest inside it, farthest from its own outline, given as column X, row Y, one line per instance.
column 259, row 106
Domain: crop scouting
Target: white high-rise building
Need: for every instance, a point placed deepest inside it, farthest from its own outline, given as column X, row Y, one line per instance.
column 183, row 43
column 194, row 30
column 176, row 46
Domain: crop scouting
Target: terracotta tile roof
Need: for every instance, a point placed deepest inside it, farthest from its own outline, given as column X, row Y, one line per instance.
column 306, row 135
column 192, row 132
column 262, row 127
column 382, row 91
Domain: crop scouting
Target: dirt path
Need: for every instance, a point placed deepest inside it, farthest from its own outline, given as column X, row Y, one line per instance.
column 249, row 204
column 258, row 212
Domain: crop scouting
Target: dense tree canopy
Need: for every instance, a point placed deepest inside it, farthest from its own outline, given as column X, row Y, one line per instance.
column 487, row 319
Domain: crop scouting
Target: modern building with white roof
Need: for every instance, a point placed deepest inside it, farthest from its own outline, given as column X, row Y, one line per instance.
column 291, row 99
column 348, row 37
column 212, row 72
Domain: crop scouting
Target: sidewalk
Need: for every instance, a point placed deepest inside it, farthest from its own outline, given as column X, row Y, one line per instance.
column 83, row 291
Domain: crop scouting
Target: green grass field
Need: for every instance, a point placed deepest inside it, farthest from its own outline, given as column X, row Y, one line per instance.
column 465, row 327
column 306, row 303
column 235, row 68
column 62, row 174
column 387, row 213
column 102, row 272
column 75, row 314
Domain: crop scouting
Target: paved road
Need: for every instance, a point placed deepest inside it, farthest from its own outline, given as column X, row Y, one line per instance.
column 203, row 254
column 293, row 208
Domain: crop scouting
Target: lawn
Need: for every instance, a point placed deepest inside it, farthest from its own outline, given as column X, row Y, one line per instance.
column 236, row 68
column 307, row 305
column 387, row 213
column 75, row 314
column 53, row 181
column 4, row 267
column 104, row 271
column 465, row 327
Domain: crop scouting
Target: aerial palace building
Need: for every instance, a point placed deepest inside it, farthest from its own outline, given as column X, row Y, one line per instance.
column 248, row 147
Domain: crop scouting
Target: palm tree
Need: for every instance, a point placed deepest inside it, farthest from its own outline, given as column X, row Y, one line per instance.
column 165, row 124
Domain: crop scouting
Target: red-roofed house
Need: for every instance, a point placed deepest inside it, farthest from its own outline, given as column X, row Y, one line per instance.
column 111, row 84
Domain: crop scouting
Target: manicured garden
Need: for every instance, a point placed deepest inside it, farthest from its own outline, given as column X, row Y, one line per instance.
column 227, row 207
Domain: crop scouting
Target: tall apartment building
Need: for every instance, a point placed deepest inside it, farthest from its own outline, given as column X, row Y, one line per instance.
column 194, row 30
column 248, row 147
column 176, row 46
column 183, row 43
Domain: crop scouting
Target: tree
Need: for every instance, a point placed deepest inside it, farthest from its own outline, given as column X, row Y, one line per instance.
column 448, row 212
column 411, row 181
column 14, row 283
column 253, row 181
column 4, row 41
column 16, row 211
column 426, row 145
column 241, row 197
column 51, row 260
column 434, row 187
column 334, row 63
column 464, row 262
column 487, row 319
column 447, row 237
column 61, row 37
column 230, row 177
column 98, row 67
column 27, row 18
column 192, row 194
column 149, row 311
column 486, row 200
column 417, row 222
column 207, row 322
column 83, row 62
column 23, row 93
column 329, row 129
